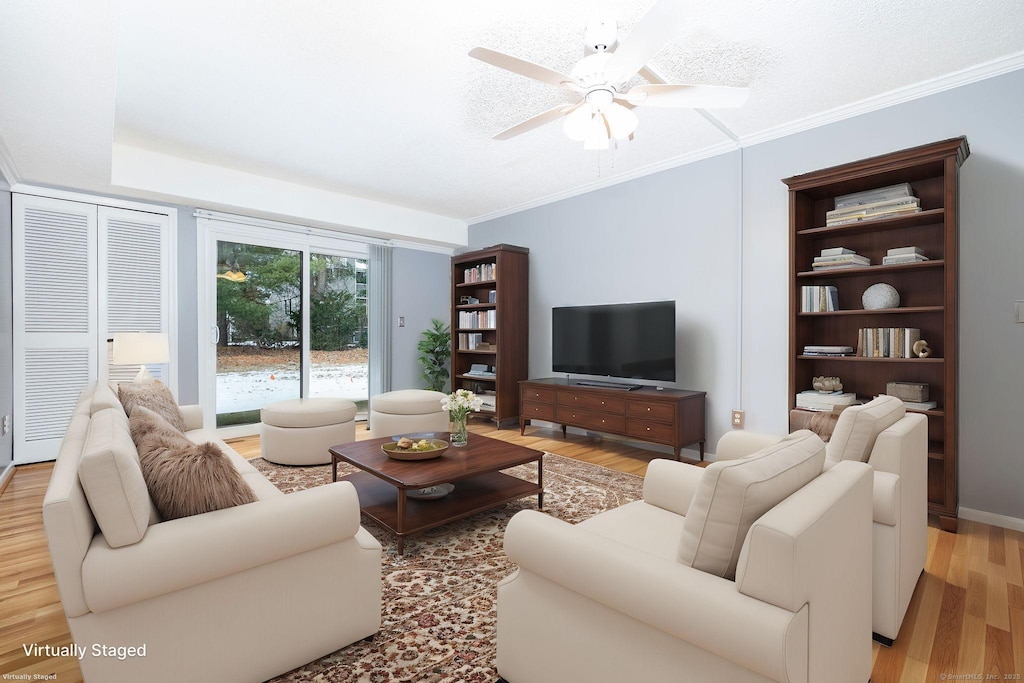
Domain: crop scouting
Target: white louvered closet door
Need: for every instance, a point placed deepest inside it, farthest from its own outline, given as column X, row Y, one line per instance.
column 133, row 272
column 55, row 321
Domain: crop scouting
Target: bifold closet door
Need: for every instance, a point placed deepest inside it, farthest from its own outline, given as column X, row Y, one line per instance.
column 55, row 319
column 133, row 283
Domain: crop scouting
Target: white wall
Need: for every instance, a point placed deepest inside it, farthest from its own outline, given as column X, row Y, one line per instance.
column 420, row 286
column 671, row 235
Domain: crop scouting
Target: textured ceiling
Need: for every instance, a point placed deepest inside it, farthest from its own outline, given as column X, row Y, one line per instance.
column 380, row 100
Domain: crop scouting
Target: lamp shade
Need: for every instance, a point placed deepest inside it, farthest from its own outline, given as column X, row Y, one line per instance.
column 140, row 348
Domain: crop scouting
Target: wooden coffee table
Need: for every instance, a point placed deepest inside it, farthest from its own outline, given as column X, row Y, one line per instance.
column 383, row 483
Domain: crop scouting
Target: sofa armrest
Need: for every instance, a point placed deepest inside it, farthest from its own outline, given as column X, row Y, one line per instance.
column 193, row 416
column 704, row 610
column 740, row 444
column 670, row 484
column 886, row 498
column 191, row 550
column 903, row 447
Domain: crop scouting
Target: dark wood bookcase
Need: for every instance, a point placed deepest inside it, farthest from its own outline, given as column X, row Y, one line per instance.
column 501, row 273
column 928, row 290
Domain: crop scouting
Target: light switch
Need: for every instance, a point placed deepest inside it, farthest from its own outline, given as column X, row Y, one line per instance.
column 401, row 321
column 1018, row 307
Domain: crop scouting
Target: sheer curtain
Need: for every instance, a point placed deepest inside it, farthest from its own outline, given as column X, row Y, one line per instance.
column 379, row 286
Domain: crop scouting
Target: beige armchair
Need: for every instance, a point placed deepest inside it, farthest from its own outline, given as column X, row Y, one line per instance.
column 895, row 444
column 620, row 596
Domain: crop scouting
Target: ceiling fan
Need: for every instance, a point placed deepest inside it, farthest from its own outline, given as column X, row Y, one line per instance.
column 604, row 110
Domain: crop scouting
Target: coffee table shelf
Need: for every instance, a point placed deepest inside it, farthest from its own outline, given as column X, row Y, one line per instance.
column 379, row 500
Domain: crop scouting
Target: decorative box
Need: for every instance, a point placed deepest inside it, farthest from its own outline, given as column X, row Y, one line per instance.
column 908, row 391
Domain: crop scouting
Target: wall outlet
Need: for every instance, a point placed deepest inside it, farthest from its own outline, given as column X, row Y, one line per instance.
column 401, row 321
column 6, row 424
column 737, row 419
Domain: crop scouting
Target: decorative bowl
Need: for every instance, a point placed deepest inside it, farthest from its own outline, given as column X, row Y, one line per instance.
column 438, row 447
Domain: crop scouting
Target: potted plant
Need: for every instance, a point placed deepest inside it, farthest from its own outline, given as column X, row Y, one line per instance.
column 435, row 348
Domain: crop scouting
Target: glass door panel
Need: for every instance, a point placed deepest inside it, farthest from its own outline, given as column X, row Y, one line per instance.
column 338, row 328
column 259, row 323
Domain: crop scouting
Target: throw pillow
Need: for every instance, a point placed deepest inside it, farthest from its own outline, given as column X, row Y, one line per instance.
column 858, row 427
column 184, row 478
column 733, row 494
column 155, row 396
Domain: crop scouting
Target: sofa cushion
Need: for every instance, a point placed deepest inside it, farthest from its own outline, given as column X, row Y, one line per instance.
column 858, row 426
column 309, row 412
column 184, row 478
column 407, row 402
column 112, row 478
column 103, row 397
column 733, row 494
column 153, row 395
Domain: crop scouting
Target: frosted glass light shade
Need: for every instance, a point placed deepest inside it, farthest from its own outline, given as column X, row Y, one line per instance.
column 621, row 121
column 577, row 123
column 597, row 133
column 140, row 348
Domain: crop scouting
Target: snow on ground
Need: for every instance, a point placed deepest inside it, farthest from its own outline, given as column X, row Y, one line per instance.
column 254, row 389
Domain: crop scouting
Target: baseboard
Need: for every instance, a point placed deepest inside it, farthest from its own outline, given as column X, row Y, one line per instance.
column 992, row 519
column 6, row 476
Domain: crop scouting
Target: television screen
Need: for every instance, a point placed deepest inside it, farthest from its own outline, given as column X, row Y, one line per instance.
column 636, row 341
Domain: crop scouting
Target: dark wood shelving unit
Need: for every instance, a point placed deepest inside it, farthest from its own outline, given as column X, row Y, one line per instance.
column 508, row 340
column 928, row 290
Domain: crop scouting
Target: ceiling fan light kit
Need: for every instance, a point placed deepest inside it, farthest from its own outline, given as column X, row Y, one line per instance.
column 600, row 78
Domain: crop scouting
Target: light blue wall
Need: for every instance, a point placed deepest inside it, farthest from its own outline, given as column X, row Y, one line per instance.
column 6, row 326
column 672, row 235
column 420, row 286
column 668, row 236
column 188, row 308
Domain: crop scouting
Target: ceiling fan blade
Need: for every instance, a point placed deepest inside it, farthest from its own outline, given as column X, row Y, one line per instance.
column 522, row 67
column 690, row 96
column 654, row 29
column 537, row 121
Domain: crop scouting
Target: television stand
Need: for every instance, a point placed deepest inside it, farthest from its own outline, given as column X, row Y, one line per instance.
column 672, row 417
column 621, row 386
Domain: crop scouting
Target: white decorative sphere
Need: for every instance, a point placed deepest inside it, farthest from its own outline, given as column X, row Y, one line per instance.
column 880, row 295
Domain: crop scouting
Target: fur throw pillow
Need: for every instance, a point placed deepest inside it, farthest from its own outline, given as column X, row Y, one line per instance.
column 184, row 478
column 155, row 396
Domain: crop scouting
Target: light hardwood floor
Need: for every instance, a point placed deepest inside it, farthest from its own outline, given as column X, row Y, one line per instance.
column 966, row 617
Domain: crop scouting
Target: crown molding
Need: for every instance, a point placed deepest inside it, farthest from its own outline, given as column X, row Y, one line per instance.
column 423, row 246
column 980, row 72
column 682, row 160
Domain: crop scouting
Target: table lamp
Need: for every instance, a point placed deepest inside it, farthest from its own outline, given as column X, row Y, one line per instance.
column 140, row 348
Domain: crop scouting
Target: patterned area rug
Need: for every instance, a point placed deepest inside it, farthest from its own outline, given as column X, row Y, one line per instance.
column 440, row 598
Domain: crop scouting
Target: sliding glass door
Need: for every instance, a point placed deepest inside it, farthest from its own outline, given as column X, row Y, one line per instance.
column 287, row 319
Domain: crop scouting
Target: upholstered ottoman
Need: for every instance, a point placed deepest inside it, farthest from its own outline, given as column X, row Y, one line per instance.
column 299, row 431
column 406, row 412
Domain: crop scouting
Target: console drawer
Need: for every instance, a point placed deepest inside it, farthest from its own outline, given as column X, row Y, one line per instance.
column 651, row 431
column 586, row 401
column 538, row 411
column 539, row 394
column 590, row 419
column 651, row 410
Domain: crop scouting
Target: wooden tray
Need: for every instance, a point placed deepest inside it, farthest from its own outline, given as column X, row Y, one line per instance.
column 396, row 453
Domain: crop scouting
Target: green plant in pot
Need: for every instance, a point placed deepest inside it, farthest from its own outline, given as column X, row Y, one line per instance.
column 435, row 348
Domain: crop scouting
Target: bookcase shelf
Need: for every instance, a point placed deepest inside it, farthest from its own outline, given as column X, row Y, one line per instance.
column 928, row 290
column 507, row 339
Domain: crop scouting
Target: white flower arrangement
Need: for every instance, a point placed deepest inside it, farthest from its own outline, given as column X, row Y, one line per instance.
column 460, row 402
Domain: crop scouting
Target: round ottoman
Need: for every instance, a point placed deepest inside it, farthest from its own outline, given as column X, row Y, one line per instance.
column 406, row 412
column 299, row 431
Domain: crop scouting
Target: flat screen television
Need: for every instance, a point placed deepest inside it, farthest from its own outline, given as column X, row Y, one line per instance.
column 635, row 341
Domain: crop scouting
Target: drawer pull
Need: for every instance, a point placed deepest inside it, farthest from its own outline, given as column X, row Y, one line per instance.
column 574, row 416
column 602, row 402
column 602, row 421
column 648, row 429
column 648, row 409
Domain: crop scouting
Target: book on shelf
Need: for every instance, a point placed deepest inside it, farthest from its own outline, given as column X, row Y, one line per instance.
column 843, row 258
column 819, row 350
column 920, row 405
column 478, row 319
column 836, row 251
column 876, row 195
column 818, row 298
column 472, row 341
column 833, row 397
column 873, row 207
column 905, row 258
column 872, row 215
column 807, row 402
column 480, row 273
column 887, row 342
column 901, row 251
column 831, row 265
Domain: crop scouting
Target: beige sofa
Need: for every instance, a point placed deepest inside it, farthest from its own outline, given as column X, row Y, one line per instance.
column 895, row 444
column 610, row 599
column 239, row 594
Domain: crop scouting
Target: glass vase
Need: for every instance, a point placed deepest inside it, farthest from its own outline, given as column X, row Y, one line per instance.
column 459, row 436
